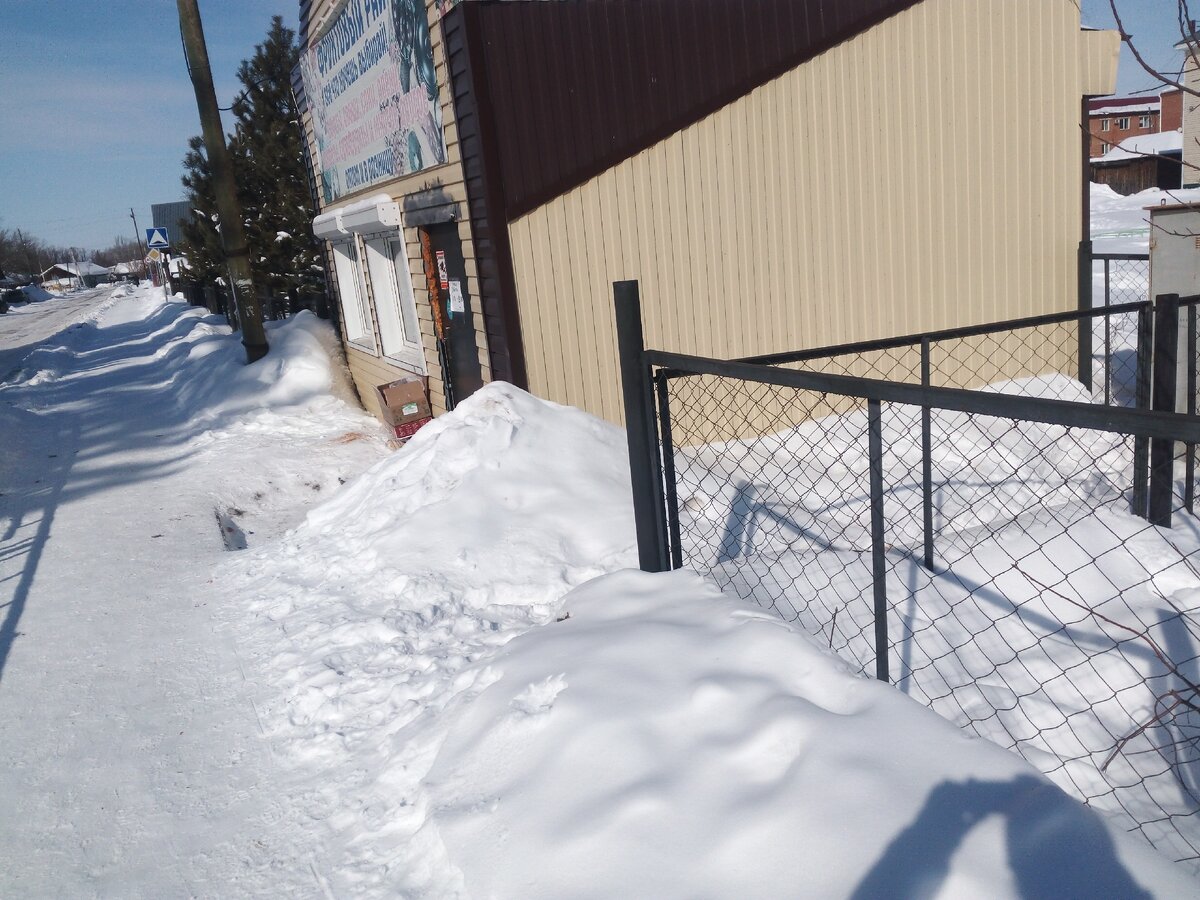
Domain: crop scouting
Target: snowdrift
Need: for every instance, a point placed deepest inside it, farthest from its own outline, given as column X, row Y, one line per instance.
column 195, row 357
column 466, row 724
column 35, row 293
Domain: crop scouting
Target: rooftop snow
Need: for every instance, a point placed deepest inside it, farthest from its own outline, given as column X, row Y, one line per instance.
column 1142, row 145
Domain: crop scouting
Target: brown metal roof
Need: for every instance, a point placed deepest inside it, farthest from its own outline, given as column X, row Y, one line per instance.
column 578, row 85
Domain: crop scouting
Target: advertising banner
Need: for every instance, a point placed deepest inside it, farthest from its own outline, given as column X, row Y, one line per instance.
column 372, row 91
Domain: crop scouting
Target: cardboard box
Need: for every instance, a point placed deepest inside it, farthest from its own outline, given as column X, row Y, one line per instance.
column 404, row 401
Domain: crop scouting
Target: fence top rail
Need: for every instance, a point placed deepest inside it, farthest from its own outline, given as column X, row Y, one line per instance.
column 948, row 334
column 1122, row 257
column 1065, row 413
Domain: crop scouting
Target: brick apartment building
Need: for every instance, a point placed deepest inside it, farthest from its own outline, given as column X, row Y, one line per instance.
column 1113, row 119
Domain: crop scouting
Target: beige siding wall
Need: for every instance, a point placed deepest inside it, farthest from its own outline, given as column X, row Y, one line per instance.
column 372, row 369
column 925, row 174
column 1191, row 117
column 1101, row 51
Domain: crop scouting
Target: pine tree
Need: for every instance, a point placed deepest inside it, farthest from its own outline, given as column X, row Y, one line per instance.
column 268, row 162
column 272, row 178
column 201, row 243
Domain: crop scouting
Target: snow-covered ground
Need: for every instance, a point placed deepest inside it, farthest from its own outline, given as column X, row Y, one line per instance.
column 1121, row 224
column 432, row 672
column 131, row 763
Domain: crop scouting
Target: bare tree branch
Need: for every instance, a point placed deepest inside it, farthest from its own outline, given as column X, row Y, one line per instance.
column 1161, row 76
column 1180, row 697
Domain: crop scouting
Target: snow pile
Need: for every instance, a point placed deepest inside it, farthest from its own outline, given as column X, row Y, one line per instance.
column 372, row 611
column 668, row 741
column 296, row 374
column 35, row 293
column 465, row 725
column 201, row 361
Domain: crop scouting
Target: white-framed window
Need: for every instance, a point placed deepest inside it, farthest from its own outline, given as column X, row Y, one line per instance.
column 1122, row 123
column 1143, row 122
column 1104, row 148
column 395, row 305
column 350, row 289
column 1105, row 124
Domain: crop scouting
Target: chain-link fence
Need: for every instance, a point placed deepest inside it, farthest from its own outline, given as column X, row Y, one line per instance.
column 961, row 514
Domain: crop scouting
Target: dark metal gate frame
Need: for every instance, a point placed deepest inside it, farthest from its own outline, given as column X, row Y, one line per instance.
column 1154, row 424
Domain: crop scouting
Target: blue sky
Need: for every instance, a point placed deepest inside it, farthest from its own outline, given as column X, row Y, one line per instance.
column 96, row 106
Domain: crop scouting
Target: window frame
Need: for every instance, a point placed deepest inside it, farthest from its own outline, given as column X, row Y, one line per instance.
column 348, row 268
column 1145, row 122
column 1105, row 124
column 1123, row 123
column 398, row 342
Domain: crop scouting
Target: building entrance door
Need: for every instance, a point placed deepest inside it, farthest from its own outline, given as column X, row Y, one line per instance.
column 454, row 313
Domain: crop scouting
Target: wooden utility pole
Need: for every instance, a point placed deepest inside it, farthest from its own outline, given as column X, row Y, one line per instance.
column 233, row 240
column 137, row 236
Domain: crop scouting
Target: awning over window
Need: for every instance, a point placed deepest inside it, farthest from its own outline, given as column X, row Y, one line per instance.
column 329, row 226
column 379, row 213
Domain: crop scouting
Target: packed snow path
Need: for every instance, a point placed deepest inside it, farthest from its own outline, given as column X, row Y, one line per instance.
column 131, row 762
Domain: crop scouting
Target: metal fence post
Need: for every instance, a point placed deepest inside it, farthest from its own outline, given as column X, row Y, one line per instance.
column 644, row 468
column 671, row 495
column 878, row 566
column 1141, row 443
column 927, row 458
column 1085, row 304
column 1189, row 485
column 1163, row 395
column 1107, row 334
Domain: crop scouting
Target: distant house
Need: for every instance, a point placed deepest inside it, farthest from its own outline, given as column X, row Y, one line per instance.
column 727, row 155
column 1139, row 163
column 1113, row 119
column 84, row 274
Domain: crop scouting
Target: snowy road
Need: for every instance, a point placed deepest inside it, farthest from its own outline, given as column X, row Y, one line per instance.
column 131, row 763
column 26, row 325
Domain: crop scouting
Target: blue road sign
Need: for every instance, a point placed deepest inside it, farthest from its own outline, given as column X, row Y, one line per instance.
column 156, row 239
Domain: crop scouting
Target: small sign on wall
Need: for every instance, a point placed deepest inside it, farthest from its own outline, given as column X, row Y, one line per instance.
column 443, row 275
column 457, row 305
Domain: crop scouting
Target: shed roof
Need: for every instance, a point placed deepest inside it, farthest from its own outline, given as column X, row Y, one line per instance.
column 78, row 270
column 1100, row 106
column 1159, row 143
